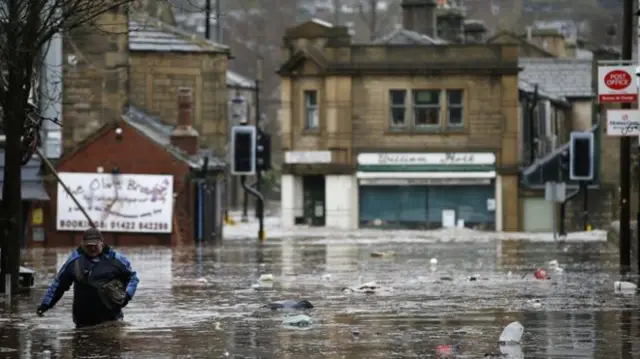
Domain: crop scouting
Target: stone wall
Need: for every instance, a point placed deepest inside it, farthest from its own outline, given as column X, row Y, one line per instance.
column 95, row 76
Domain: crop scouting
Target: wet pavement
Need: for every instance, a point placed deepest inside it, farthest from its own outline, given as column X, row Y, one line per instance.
column 198, row 303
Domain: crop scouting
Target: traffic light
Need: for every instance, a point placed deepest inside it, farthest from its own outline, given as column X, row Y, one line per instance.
column 263, row 151
column 581, row 156
column 243, row 150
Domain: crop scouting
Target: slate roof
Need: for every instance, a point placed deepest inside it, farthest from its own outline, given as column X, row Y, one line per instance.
column 569, row 78
column 527, row 87
column 32, row 186
column 158, row 132
column 149, row 34
column 402, row 36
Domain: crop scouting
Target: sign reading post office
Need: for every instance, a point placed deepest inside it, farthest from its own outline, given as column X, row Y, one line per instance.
column 116, row 203
column 617, row 84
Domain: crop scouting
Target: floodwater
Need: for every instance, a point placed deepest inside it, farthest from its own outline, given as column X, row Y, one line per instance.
column 198, row 303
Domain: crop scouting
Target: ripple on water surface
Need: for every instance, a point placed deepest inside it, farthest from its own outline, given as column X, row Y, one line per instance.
column 199, row 303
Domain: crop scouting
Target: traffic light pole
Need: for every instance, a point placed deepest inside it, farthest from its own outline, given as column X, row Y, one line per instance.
column 585, row 204
column 259, row 204
column 260, row 198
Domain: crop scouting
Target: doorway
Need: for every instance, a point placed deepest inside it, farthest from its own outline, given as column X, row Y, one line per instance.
column 313, row 189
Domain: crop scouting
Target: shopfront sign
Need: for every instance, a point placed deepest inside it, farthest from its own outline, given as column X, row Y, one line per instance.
column 426, row 161
column 617, row 84
column 116, row 203
column 307, row 157
column 425, row 181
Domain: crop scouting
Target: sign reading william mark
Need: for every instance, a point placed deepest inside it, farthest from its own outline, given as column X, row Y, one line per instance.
column 116, row 203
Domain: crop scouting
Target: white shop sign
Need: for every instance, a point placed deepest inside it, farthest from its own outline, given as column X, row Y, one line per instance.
column 116, row 203
column 404, row 159
column 623, row 123
column 307, row 157
column 617, row 84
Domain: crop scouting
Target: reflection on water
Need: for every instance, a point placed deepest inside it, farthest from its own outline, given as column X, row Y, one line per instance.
column 198, row 302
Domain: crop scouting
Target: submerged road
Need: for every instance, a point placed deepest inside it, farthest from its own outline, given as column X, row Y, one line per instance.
column 199, row 303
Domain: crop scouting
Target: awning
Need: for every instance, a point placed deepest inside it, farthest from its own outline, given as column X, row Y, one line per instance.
column 32, row 191
column 411, row 175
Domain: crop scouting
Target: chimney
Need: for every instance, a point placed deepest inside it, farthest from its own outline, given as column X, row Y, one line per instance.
column 550, row 39
column 420, row 16
column 474, row 31
column 450, row 23
column 184, row 136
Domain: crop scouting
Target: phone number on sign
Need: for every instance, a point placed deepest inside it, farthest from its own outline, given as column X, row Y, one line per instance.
column 141, row 226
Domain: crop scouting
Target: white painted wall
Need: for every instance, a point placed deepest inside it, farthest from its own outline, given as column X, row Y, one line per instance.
column 499, row 207
column 340, row 195
column 291, row 199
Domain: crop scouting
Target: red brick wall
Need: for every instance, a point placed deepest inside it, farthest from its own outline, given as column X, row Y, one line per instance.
column 134, row 153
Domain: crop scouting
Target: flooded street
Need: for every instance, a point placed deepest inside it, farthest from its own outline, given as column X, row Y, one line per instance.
column 199, row 303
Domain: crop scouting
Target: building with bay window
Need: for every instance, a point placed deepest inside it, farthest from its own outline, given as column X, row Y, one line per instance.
column 414, row 130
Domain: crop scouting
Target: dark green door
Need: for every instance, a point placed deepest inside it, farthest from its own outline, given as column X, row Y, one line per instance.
column 314, row 200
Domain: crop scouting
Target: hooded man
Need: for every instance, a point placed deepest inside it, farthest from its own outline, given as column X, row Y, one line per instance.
column 103, row 279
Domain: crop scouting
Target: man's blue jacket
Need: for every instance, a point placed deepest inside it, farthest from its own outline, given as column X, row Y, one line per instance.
column 84, row 273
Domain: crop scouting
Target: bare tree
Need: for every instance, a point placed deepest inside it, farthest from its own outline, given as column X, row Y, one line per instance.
column 26, row 27
column 377, row 15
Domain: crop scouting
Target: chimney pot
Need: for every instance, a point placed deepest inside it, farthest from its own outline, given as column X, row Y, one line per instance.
column 185, row 100
column 184, row 136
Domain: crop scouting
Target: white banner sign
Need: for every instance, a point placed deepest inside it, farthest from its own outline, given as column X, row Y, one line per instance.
column 116, row 203
column 409, row 159
column 617, row 84
column 625, row 123
column 307, row 157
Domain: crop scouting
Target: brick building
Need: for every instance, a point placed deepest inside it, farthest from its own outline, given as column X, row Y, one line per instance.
column 414, row 130
column 131, row 149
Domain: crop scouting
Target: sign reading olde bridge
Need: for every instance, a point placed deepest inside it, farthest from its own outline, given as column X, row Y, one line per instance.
column 116, row 203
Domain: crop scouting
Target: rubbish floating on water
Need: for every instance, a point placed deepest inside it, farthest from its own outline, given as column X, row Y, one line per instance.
column 382, row 254
column 555, row 266
column 509, row 275
column 540, row 273
column 298, row 321
column 366, row 288
column 512, row 333
column 326, row 276
column 290, row 304
column 266, row 278
column 202, row 280
column 444, row 350
column 434, row 261
column 624, row 287
column 262, row 286
column 536, row 303
column 513, row 351
column 46, row 354
column 446, row 278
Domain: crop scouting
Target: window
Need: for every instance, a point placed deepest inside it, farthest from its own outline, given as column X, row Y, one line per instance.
column 454, row 108
column 311, row 110
column 398, row 107
column 426, row 108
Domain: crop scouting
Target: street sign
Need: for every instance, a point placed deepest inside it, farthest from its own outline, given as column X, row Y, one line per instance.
column 616, row 84
column 555, row 191
column 625, row 123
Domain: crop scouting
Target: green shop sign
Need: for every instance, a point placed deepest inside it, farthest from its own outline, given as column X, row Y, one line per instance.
column 426, row 162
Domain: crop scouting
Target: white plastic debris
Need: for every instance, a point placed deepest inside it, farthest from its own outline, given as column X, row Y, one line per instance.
column 624, row 287
column 513, row 351
column 509, row 275
column 299, row 321
column 536, row 303
column 555, row 266
column 433, row 261
column 367, row 288
column 326, row 276
column 512, row 333
column 266, row 278
column 46, row 354
column 202, row 280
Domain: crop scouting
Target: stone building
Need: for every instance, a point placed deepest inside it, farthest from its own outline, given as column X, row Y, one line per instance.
column 136, row 60
column 415, row 130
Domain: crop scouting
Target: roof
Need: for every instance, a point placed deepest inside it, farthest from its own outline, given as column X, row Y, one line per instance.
column 402, row 36
column 32, row 186
column 235, row 80
column 527, row 87
column 570, row 78
column 152, row 128
column 504, row 36
column 149, row 34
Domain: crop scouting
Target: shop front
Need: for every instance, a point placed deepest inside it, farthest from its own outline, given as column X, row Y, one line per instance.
column 429, row 190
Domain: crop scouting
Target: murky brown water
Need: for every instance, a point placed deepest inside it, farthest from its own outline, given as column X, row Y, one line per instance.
column 176, row 315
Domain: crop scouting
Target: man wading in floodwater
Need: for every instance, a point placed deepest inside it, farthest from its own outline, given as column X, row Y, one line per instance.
column 103, row 279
